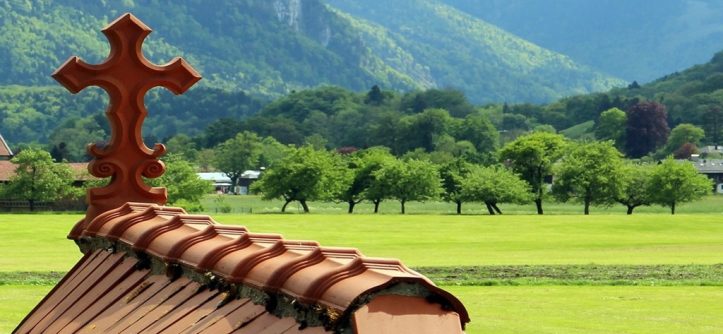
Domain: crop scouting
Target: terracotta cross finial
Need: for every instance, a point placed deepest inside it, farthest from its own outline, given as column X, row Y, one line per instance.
column 126, row 75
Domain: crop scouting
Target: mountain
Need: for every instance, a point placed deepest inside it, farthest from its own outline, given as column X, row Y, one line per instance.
column 464, row 52
column 694, row 95
column 272, row 47
column 632, row 39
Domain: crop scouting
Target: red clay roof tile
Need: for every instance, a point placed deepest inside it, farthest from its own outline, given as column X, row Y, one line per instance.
column 303, row 270
column 157, row 269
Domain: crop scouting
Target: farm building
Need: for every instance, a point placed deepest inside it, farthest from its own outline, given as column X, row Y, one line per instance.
column 222, row 182
column 713, row 169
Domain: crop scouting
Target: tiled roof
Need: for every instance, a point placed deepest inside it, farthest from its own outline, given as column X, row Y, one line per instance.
column 4, row 148
column 708, row 166
column 157, row 269
column 79, row 169
column 7, row 170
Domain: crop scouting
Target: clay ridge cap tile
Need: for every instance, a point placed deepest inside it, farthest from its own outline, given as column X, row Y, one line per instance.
column 144, row 239
column 213, row 256
column 318, row 255
column 125, row 213
column 184, row 244
column 316, row 288
column 239, row 272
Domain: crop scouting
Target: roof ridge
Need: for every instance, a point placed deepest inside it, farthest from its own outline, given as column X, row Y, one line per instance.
column 4, row 146
column 302, row 271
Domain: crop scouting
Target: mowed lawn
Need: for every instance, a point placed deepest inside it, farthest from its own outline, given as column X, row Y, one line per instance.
column 37, row 243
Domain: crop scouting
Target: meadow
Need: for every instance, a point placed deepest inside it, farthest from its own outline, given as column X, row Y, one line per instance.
column 651, row 272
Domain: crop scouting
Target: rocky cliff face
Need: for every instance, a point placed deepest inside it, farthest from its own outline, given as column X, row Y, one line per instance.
column 288, row 12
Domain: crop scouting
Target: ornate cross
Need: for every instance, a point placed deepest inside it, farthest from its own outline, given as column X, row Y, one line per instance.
column 126, row 75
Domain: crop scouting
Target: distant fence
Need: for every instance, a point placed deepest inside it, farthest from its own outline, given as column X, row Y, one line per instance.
column 24, row 206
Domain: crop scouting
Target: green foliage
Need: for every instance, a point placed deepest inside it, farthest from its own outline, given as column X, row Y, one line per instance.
column 378, row 188
column 416, row 35
column 532, row 156
column 51, row 115
column 304, row 174
column 611, row 126
column 38, row 178
column 410, row 180
column 591, row 173
column 238, row 154
column 358, row 179
column 492, row 185
column 636, row 187
column 683, row 133
column 184, row 186
column 579, row 131
column 453, row 174
column 479, row 130
column 673, row 182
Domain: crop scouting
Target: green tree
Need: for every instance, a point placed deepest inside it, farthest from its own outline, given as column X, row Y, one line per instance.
column 453, row 174
column 357, row 175
column 184, row 186
column 271, row 152
column 479, row 130
column 421, row 130
column 184, row 146
column 412, row 180
column 38, row 178
column 378, row 189
column 636, row 186
column 492, row 185
column 673, row 182
column 591, row 173
column 73, row 136
column 682, row 134
column 611, row 126
column 531, row 156
column 238, row 155
column 303, row 175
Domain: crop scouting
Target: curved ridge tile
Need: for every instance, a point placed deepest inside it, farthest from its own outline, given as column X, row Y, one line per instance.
column 279, row 276
column 235, row 256
column 144, row 239
column 242, row 268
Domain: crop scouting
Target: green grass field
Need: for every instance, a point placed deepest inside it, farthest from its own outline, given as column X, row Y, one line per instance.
column 597, row 270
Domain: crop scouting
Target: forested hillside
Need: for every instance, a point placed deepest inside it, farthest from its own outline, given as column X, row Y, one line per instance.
column 274, row 47
column 633, row 39
column 486, row 62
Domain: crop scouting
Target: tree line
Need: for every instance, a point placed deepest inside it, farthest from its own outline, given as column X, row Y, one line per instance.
column 592, row 173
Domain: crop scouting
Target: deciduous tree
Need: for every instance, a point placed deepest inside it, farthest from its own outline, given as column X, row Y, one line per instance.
column 453, row 175
column 238, row 155
column 636, row 186
column 375, row 159
column 412, row 180
column 648, row 124
column 531, row 156
column 184, row 186
column 38, row 178
column 682, row 134
column 303, row 175
column 492, row 185
column 673, row 182
column 591, row 173
column 611, row 126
